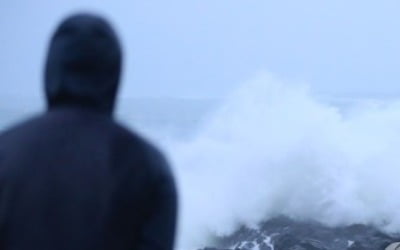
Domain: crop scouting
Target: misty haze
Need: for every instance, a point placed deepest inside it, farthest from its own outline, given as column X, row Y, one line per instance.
column 265, row 110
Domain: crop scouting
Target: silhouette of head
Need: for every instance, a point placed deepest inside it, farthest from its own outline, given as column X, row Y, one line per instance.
column 83, row 64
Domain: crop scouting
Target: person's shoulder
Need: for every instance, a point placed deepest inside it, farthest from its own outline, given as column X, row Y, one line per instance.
column 150, row 154
column 21, row 128
column 127, row 136
column 132, row 138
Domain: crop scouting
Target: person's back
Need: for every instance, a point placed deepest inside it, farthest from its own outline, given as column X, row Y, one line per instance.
column 73, row 178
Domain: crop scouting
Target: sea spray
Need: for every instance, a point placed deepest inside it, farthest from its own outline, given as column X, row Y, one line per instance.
column 273, row 148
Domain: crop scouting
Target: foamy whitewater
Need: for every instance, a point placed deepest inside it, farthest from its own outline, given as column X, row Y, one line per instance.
column 272, row 148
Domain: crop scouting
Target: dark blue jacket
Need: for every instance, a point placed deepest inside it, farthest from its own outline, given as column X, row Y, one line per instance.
column 73, row 178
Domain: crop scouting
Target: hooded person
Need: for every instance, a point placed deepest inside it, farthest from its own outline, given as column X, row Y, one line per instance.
column 72, row 178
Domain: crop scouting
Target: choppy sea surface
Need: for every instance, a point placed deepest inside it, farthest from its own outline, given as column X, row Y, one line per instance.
column 272, row 149
column 269, row 149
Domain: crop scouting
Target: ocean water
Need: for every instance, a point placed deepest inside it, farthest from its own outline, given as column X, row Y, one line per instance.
column 275, row 148
column 270, row 148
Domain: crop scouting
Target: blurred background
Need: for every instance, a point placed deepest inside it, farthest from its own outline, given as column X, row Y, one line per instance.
column 258, row 94
column 203, row 49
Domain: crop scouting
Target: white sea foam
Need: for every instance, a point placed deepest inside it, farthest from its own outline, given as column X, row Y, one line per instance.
column 273, row 148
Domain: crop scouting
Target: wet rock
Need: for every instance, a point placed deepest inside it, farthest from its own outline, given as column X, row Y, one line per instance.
column 282, row 233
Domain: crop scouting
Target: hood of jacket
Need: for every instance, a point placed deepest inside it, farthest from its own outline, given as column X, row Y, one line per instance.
column 83, row 64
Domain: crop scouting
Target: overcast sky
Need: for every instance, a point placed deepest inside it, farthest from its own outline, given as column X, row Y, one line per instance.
column 204, row 48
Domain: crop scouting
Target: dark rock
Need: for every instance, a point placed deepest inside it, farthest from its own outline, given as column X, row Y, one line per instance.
column 282, row 233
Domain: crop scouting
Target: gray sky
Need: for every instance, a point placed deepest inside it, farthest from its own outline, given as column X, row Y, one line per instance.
column 204, row 48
